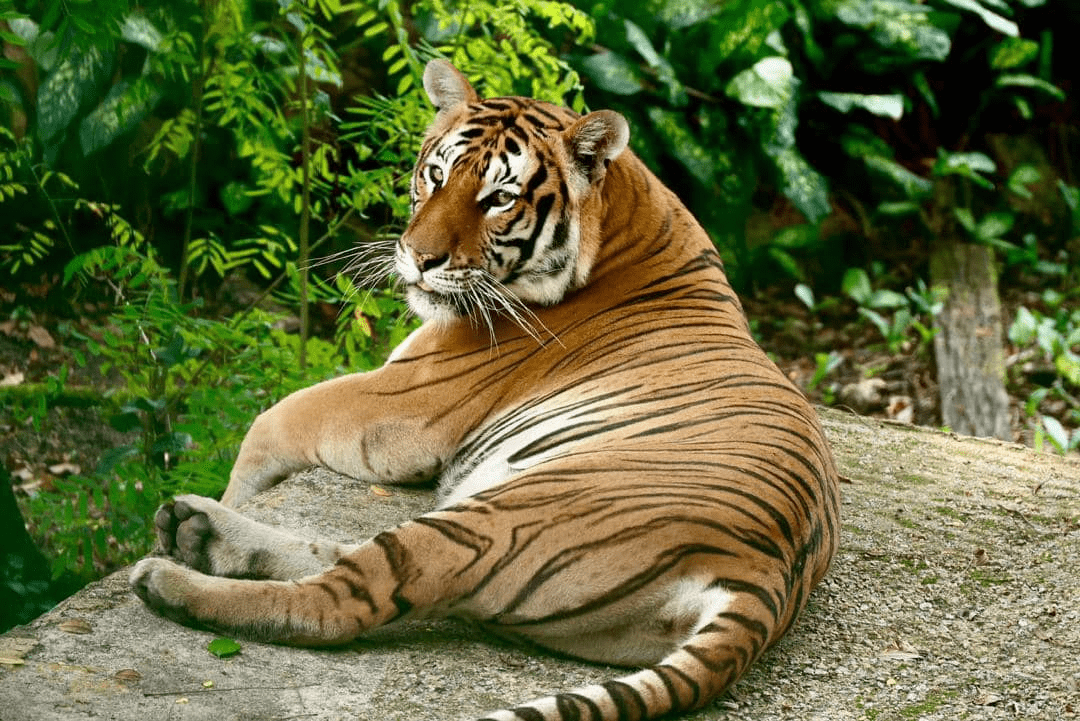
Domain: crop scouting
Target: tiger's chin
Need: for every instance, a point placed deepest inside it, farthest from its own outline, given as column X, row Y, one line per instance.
column 432, row 306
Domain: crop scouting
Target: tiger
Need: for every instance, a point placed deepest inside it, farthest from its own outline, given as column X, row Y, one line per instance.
column 624, row 476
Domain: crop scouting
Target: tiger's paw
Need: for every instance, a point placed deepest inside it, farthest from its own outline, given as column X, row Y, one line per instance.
column 201, row 533
column 165, row 587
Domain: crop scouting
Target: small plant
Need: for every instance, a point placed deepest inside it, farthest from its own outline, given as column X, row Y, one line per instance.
column 1054, row 340
column 909, row 309
column 826, row 364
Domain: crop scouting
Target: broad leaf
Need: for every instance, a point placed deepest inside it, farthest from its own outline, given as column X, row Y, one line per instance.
column 122, row 109
column 1012, row 53
column 139, row 30
column 995, row 21
column 612, row 72
column 770, row 83
column 223, row 647
column 889, row 106
column 913, row 185
column 64, row 92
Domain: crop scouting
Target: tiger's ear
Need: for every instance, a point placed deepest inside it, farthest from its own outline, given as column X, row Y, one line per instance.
column 446, row 87
column 596, row 139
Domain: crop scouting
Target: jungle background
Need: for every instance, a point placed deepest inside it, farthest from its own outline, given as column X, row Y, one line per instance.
column 195, row 195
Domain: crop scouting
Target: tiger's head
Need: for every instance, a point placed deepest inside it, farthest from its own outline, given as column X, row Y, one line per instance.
column 505, row 201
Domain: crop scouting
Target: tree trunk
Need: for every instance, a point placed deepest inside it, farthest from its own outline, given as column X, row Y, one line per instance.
column 24, row 572
column 968, row 346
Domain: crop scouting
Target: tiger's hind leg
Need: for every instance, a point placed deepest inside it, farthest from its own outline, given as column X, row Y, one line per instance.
column 696, row 672
column 209, row 537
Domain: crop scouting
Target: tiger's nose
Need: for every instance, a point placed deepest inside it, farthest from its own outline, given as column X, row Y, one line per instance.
column 427, row 261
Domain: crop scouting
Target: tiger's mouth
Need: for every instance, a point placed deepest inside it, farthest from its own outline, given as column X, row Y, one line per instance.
column 422, row 285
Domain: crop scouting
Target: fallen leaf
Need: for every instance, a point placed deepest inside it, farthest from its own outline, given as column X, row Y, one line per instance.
column 64, row 469
column 900, row 650
column 989, row 699
column 223, row 647
column 23, row 473
column 380, row 491
column 128, row 675
column 12, row 379
column 41, row 337
column 76, row 625
column 16, row 647
column 7, row 327
column 8, row 661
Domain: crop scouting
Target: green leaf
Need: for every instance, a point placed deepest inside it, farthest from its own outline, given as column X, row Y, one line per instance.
column 994, row 225
column 889, row 106
column 679, row 15
column 770, row 83
column 681, row 142
column 995, row 21
column 806, row 294
column 139, row 30
column 1068, row 367
column 1021, row 178
column 1057, row 433
column 664, row 72
column 968, row 165
column 856, row 285
column 913, row 185
column 612, row 72
column 806, row 188
column 1020, row 80
column 235, row 198
column 640, row 42
column 904, row 29
column 71, row 85
column 113, row 457
column 1012, row 53
column 223, row 647
column 966, row 218
column 898, row 208
column 122, row 109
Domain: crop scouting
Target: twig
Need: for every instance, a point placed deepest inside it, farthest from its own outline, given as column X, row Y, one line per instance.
column 192, row 691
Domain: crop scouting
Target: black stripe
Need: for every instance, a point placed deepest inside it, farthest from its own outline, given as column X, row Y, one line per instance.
column 627, row 700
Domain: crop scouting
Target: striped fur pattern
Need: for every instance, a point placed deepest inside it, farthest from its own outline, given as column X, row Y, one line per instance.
column 624, row 475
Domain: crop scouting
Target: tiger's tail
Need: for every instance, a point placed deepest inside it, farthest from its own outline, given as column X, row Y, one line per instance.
column 710, row 661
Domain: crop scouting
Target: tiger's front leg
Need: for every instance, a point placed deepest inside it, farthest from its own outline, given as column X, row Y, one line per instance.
column 375, row 426
column 409, row 571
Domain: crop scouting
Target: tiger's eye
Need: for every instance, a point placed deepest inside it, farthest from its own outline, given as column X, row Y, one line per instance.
column 500, row 198
column 435, row 175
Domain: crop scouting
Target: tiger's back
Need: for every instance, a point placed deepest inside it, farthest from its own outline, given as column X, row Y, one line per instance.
column 625, row 477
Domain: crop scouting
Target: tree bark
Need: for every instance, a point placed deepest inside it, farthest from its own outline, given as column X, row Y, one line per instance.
column 968, row 346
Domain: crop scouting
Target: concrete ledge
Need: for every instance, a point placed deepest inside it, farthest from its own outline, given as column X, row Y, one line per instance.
column 955, row 595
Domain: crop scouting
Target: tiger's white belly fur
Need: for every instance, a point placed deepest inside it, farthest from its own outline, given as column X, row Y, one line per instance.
column 485, row 460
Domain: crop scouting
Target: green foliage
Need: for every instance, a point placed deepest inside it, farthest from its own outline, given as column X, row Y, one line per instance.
column 226, row 130
column 896, row 316
column 801, row 96
column 1051, row 342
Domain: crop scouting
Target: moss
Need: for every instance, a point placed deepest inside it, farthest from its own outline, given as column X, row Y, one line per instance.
column 950, row 512
column 934, row 700
column 987, row 577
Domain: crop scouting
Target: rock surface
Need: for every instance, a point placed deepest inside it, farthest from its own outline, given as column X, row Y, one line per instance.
column 954, row 596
